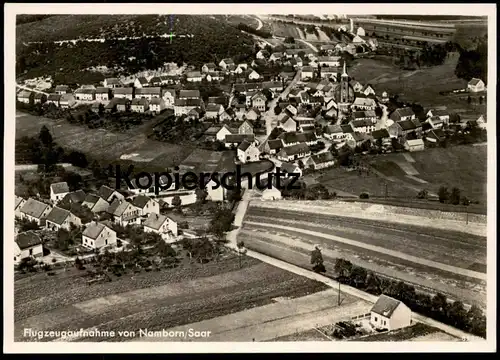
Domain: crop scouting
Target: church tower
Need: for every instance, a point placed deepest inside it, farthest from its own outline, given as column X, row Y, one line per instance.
column 344, row 87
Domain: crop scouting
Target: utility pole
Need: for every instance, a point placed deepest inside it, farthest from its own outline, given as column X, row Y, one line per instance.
column 386, row 190
column 466, row 215
column 339, row 295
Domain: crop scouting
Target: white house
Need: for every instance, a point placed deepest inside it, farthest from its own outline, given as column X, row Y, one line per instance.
column 67, row 101
column 271, row 194
column 124, row 93
column 18, row 205
column 27, row 244
column 307, row 73
column 148, row 93
column 146, row 205
column 333, row 61
column 215, row 192
column 221, row 134
column 476, row 85
column 294, row 152
column 102, row 94
column 85, row 94
column 109, row 194
column 254, row 75
column 390, row 314
column 194, row 76
column 58, row 191
column 124, row 212
column 321, row 161
column 414, row 145
column 248, row 152
column 442, row 114
column 97, row 235
column 61, row 219
column 168, row 96
column 161, row 225
column 213, row 110
column 225, row 63
column 95, row 203
column 360, row 31
column 157, row 105
column 139, row 105
column 34, row 210
column 361, row 103
column 112, row 83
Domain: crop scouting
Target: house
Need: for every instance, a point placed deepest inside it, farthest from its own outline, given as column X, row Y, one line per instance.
column 19, row 203
column 61, row 219
column 332, row 61
column 215, row 192
column 307, row 137
column 122, row 105
column 27, row 244
column 227, row 115
column 62, row 89
column 225, row 63
column 213, row 111
column 414, row 145
column 189, row 94
column 209, row 67
column 382, row 136
column 184, row 106
column 240, row 110
column 254, row 75
column 141, row 82
column 53, row 99
column 321, row 161
column 329, row 72
column 85, row 94
column 234, row 140
column 139, row 105
column 97, row 235
column 146, row 205
column 247, row 152
column 58, row 191
column 124, row 212
column 401, row 114
column 222, row 132
column 161, row 225
column 290, row 168
column 476, row 85
column 102, row 94
column 307, row 73
column 436, row 122
column 95, row 203
column 409, row 126
column 252, row 114
column 436, row 136
column 157, row 105
column 289, row 139
column 148, row 93
column 109, row 194
column 262, row 54
column 155, row 81
column 272, row 147
column 391, row 314
column 259, row 101
column 112, row 83
column 360, row 31
column 276, row 56
column 361, row 103
column 481, row 122
column 395, row 130
column 335, row 133
column 75, row 197
column 39, row 98
column 168, row 96
column 170, row 79
column 442, row 114
column 294, row 152
column 358, row 40
column 194, row 76
column 124, row 93
column 356, row 86
column 67, row 101
column 271, row 194
column 34, row 210
column 368, row 90
column 362, row 125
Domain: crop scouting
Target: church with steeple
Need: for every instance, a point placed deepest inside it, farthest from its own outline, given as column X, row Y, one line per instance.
column 345, row 98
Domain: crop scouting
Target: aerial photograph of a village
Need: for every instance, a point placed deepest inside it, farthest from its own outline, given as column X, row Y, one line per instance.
column 250, row 178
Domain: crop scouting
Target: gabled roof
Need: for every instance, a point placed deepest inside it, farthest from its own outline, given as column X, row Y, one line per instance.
column 59, row 188
column 210, row 65
column 407, row 125
column 295, row 149
column 118, row 207
column 58, row 215
column 54, row 97
column 194, row 74
column 244, row 145
column 474, row 81
column 437, row 134
column 113, row 81
column 155, row 80
column 62, row 88
column 380, row 134
column 333, row 129
column 102, row 90
column 189, row 93
column 39, row 95
column 123, row 91
column 148, row 91
column 187, row 102
column 18, row 201
column 105, row 192
column 275, row 144
column 170, row 91
column 140, row 201
column 288, row 167
column 213, row 108
column 28, row 239
column 66, row 97
column 84, row 91
column 155, row 101
column 306, row 136
column 238, row 138
column 401, row 112
column 25, row 94
column 140, row 101
column 361, row 123
column 307, row 69
column 228, row 61
column 34, row 208
column 75, row 196
column 323, row 158
column 93, row 230
column 142, row 80
column 155, row 221
column 347, row 129
column 222, row 100
column 385, row 306
column 91, row 199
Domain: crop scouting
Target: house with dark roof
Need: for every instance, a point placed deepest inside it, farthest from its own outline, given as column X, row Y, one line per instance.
column 436, row 136
column 155, row 81
column 226, row 63
column 183, row 106
column 53, row 99
column 148, row 93
column 34, row 210
column 161, row 225
column 124, row 212
column 290, row 168
column 27, row 244
column 213, row 111
column 321, row 161
column 146, row 205
column 247, row 152
column 443, row 115
column 26, row 97
column 109, row 194
column 307, row 137
column 476, row 85
column 289, row 138
column 156, row 105
column 294, row 152
column 59, row 218
column 402, row 114
column 334, row 133
column 95, row 203
column 209, row 67
column 112, row 83
column 234, row 140
column 98, row 235
column 85, row 94
column 381, row 136
column 61, row 89
column 272, row 147
column 362, row 125
column 141, row 82
column 18, row 205
column 123, row 93
column 39, row 98
column 139, row 105
column 389, row 313
column 102, row 94
column 75, row 197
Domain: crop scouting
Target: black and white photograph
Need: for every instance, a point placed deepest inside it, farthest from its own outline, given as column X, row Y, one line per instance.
column 246, row 177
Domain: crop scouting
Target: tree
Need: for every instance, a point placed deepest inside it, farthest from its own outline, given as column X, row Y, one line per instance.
column 358, row 276
column 317, row 260
column 165, row 251
column 443, row 194
column 289, row 40
column 378, row 111
column 45, row 137
column 457, row 314
column 343, row 269
column 277, row 110
column 26, row 225
column 469, row 99
column 176, row 202
column 455, row 196
column 201, row 195
column 77, row 158
column 439, row 305
column 372, row 284
column 422, row 194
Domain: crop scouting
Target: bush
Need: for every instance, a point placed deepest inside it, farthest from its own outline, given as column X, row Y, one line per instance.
column 364, row 195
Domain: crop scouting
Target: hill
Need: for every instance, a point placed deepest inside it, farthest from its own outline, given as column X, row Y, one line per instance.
column 196, row 39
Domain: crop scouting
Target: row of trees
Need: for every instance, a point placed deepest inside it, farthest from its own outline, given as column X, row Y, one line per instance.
column 474, row 63
column 452, row 197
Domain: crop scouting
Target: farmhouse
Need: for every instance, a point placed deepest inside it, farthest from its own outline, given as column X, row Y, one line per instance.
column 436, row 136
column 442, row 114
column 19, row 203
column 414, row 145
column 307, row 137
column 75, row 197
column 168, row 96
column 259, row 101
column 294, row 152
column 53, row 99
column 34, row 210
column 124, row 93
column 289, row 139
column 362, row 125
column 321, row 161
column 390, row 314
column 194, row 76
column 254, row 75
column 123, row 212
column 67, row 101
column 97, row 235
column 184, row 106
column 335, row 133
column 157, row 105
column 39, row 98
column 58, row 191
column 102, row 94
column 61, row 219
column 307, row 73
column 189, row 94
column 436, row 122
column 139, row 105
column 141, row 82
column 248, row 152
column 161, row 225
column 109, row 194
column 85, row 94
column 225, row 63
column 209, row 67
column 146, row 205
column 402, row 114
column 476, row 85
column 381, row 135
column 333, row 61
column 221, row 133
column 362, row 103
column 213, row 111
column 233, row 140
column 27, row 244
column 95, row 203
column 112, row 83
column 148, row 93
column 272, row 146
column 62, row 89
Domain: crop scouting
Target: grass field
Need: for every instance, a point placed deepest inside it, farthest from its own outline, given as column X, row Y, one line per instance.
column 404, row 334
column 462, row 166
column 152, row 300
column 310, row 335
column 421, row 86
